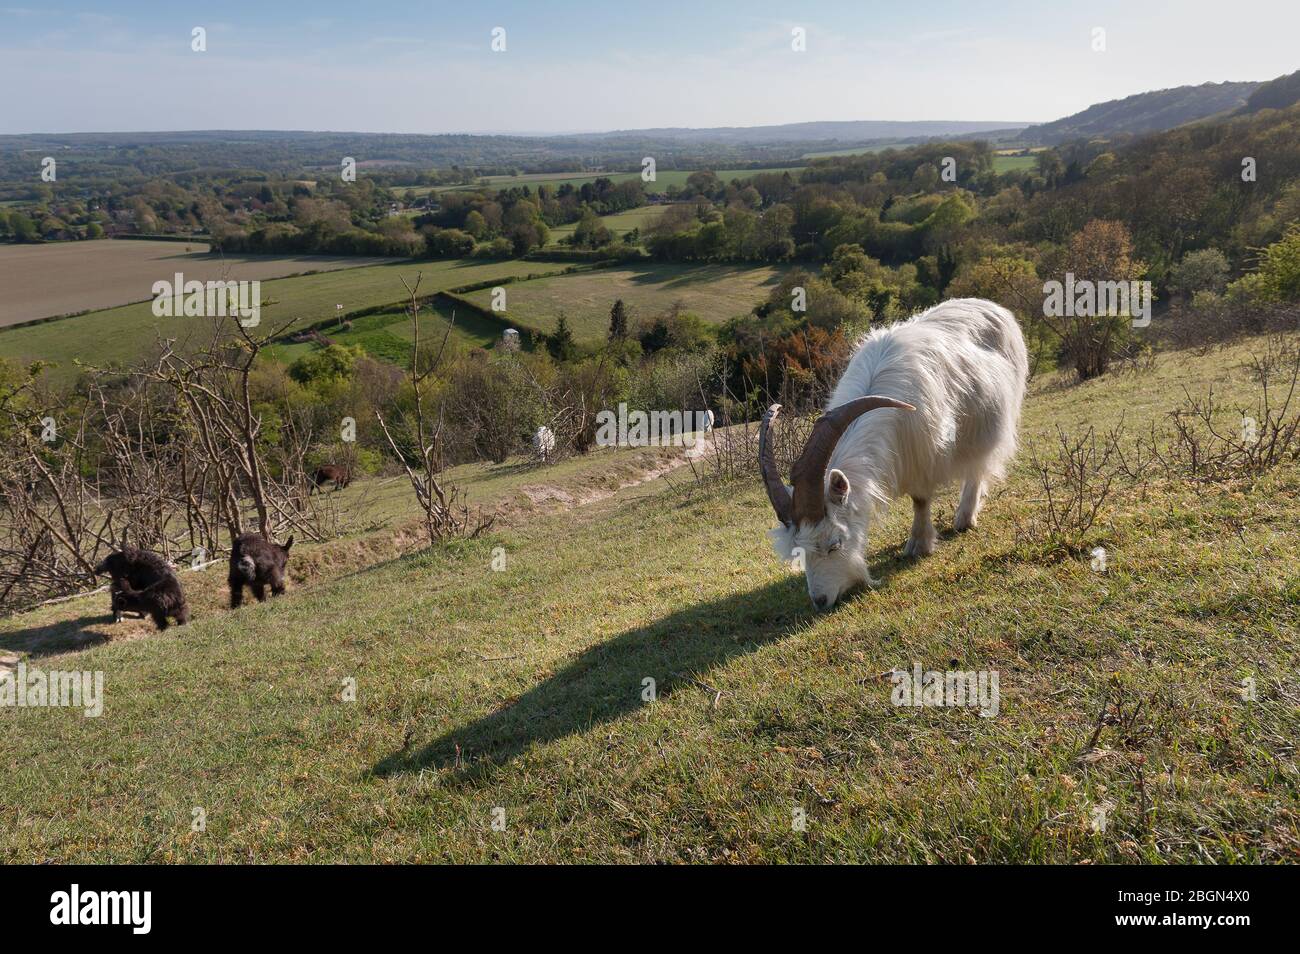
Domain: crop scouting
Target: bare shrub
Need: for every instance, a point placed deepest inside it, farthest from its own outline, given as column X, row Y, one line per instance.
column 581, row 391
column 1076, row 481
column 1280, row 352
column 1208, row 445
column 732, row 452
column 444, row 512
column 52, row 532
column 1209, row 321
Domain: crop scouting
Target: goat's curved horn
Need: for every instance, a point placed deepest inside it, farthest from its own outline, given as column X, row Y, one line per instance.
column 809, row 472
column 776, row 491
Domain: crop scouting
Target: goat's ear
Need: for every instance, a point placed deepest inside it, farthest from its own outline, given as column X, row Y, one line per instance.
column 837, row 489
column 287, row 544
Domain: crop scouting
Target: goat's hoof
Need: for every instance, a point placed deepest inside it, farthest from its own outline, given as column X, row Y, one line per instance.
column 963, row 523
column 918, row 548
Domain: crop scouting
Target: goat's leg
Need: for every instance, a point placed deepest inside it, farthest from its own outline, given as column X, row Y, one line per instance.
column 921, row 540
column 259, row 591
column 968, row 508
column 236, row 593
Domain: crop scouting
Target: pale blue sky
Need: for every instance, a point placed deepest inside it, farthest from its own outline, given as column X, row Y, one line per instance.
column 570, row 66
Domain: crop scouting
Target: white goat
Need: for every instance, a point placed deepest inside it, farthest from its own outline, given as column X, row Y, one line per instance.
column 544, row 442
column 951, row 382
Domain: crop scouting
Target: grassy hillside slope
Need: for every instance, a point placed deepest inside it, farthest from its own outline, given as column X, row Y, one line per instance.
column 522, row 690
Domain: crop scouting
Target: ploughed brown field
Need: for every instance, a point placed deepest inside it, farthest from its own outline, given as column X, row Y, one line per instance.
column 64, row 278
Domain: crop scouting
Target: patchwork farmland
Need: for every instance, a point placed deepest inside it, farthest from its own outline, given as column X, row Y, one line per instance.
column 714, row 292
column 124, row 334
column 64, row 278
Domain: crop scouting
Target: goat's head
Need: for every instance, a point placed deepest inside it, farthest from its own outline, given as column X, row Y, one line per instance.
column 823, row 524
column 115, row 564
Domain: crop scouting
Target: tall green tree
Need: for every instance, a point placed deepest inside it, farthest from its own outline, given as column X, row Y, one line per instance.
column 560, row 342
column 618, row 321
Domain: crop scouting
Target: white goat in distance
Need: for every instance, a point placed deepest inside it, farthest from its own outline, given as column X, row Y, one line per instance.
column 544, row 442
column 946, row 387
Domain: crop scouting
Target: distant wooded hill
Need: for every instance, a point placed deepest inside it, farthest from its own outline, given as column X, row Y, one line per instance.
column 153, row 154
column 1147, row 112
column 1275, row 94
column 854, row 131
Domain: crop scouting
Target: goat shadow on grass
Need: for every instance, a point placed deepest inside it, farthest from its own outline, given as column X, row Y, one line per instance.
column 604, row 682
column 62, row 636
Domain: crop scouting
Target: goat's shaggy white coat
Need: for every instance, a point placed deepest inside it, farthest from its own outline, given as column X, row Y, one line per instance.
column 963, row 364
column 544, row 442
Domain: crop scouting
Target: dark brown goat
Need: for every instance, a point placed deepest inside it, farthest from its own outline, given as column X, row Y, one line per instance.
column 340, row 477
column 256, row 562
column 144, row 582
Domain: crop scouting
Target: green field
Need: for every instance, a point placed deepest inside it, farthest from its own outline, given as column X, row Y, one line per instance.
column 714, row 292
column 855, row 150
column 1003, row 164
column 71, row 278
column 388, row 335
column 122, row 335
column 663, row 179
column 1000, row 163
column 619, row 224
column 525, row 690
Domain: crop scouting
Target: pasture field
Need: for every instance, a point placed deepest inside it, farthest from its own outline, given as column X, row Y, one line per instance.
column 1012, row 163
column 855, row 150
column 619, row 223
column 123, row 335
column 62, row 278
column 714, row 292
column 663, row 179
column 526, row 690
column 1001, row 163
column 388, row 334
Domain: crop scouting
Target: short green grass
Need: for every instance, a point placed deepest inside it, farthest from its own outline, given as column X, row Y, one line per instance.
column 714, row 292
column 620, row 223
column 521, row 696
column 1014, row 163
column 123, row 335
column 388, row 335
column 855, row 150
